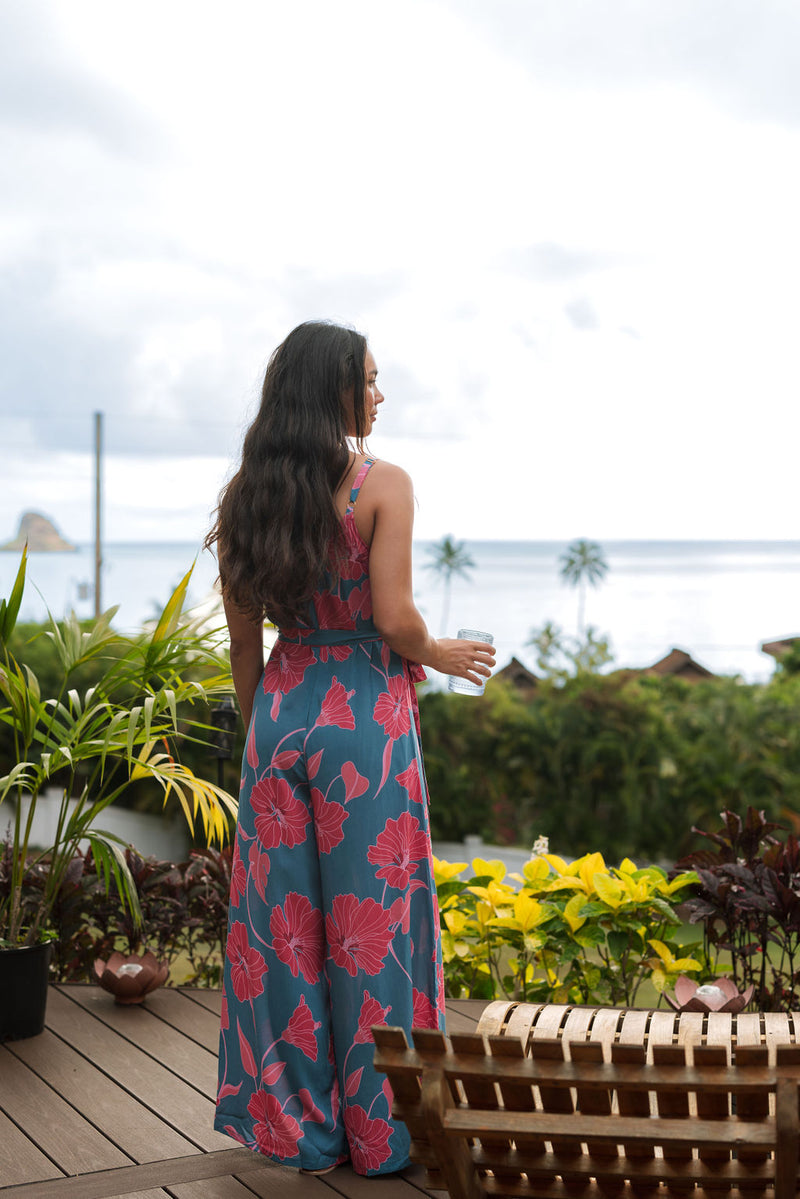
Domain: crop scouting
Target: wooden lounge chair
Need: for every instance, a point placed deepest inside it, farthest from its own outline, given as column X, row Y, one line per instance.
column 554, row 1118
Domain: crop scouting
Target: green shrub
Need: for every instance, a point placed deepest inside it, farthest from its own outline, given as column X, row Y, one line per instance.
column 578, row 932
column 629, row 762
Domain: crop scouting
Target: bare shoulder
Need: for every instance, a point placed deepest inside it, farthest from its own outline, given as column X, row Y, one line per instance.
column 385, row 479
column 388, row 501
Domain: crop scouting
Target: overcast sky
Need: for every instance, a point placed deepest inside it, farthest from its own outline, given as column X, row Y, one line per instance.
column 569, row 229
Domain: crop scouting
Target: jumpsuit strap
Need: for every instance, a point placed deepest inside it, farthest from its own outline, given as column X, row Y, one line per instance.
column 359, row 479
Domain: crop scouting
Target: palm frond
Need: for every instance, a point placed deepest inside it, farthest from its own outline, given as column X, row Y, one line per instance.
column 75, row 645
column 168, row 621
column 109, row 855
column 9, row 609
column 195, row 795
column 22, row 775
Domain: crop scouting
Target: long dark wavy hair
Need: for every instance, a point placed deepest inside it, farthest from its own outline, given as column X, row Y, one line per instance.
column 277, row 528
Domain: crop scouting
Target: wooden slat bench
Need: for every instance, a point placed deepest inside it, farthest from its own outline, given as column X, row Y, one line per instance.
column 552, row 1117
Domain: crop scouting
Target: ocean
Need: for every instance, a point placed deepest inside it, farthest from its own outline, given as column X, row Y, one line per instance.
column 718, row 600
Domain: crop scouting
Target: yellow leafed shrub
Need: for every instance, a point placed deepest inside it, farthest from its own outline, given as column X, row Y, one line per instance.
column 578, row 932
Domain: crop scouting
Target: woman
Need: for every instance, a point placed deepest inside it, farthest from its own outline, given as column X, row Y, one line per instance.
column 333, row 918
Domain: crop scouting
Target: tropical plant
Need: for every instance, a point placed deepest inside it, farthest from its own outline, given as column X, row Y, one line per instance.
column 625, row 760
column 591, row 757
column 33, row 648
column 578, row 932
column 749, row 905
column 733, row 745
column 478, row 764
column 92, row 746
column 558, row 656
column 788, row 664
column 583, row 563
column 449, row 558
column 183, row 905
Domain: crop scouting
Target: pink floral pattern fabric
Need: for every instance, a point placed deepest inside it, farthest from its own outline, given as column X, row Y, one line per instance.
column 333, row 920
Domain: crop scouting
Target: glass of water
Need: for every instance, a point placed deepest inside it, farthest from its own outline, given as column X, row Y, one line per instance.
column 463, row 686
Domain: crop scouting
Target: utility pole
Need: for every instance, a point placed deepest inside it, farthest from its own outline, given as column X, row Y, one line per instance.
column 98, row 508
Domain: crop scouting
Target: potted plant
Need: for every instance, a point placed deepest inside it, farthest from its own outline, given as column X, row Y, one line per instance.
column 92, row 747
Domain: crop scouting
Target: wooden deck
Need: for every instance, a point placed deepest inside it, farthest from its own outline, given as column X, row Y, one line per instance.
column 114, row 1100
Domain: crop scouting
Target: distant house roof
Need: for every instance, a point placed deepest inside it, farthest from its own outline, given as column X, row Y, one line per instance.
column 777, row 649
column 681, row 665
column 516, row 673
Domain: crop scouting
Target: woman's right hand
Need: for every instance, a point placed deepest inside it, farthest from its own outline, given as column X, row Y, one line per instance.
column 471, row 660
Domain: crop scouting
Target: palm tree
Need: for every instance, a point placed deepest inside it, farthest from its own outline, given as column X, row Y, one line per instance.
column 448, row 558
column 548, row 641
column 583, row 563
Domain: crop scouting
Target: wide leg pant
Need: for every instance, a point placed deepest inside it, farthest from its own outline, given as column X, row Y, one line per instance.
column 333, row 919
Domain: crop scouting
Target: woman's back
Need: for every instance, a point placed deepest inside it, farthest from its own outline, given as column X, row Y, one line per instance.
column 343, row 599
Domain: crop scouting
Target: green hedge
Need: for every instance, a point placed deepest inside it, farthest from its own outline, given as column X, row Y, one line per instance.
column 627, row 762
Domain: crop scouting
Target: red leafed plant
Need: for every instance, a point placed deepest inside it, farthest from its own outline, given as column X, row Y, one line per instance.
column 749, row 906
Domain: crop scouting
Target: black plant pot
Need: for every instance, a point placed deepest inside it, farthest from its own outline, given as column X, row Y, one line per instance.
column 24, row 978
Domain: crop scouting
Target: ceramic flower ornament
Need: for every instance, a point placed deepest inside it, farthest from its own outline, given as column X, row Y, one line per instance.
column 721, row 995
column 130, row 978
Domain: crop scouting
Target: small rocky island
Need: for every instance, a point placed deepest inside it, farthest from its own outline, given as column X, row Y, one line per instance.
column 40, row 533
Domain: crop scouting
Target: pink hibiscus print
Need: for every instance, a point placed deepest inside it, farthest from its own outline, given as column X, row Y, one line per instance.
column 400, row 912
column 359, row 601
column 301, row 1028
column 310, row 1109
column 371, row 1013
column 297, row 936
column 425, row 1014
column 238, row 877
column 332, row 612
column 335, row 1097
column 368, row 1139
column 247, row 965
column 280, row 816
column 336, row 707
column 328, row 820
column 347, row 565
column 409, row 778
column 277, row 1133
column 358, row 934
column 392, row 708
column 439, row 983
column 398, row 850
column 287, row 666
column 251, row 753
column 355, row 784
column 259, row 868
column 339, row 653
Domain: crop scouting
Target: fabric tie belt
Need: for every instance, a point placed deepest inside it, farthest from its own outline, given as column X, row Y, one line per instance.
column 331, row 637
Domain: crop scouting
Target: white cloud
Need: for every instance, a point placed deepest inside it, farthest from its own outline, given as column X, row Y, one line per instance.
column 570, row 239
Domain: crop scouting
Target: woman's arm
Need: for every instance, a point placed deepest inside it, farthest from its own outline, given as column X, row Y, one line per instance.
column 247, row 656
column 390, row 499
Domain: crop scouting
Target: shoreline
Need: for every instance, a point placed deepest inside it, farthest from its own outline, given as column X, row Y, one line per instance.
column 717, row 601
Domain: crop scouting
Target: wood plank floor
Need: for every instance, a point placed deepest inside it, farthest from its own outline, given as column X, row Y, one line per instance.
column 114, row 1100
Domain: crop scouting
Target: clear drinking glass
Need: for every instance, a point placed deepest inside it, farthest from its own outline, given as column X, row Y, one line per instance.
column 463, row 686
